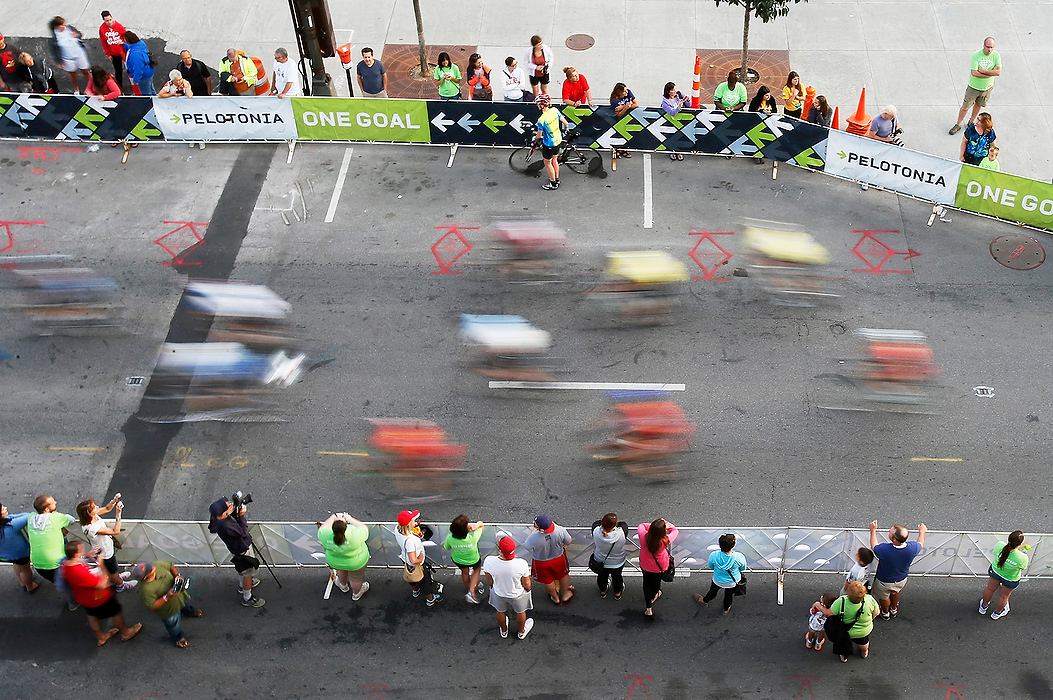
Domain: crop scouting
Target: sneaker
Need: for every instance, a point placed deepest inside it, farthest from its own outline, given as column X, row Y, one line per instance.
column 125, row 575
column 416, row 593
column 504, row 633
column 955, row 129
column 253, row 602
column 550, row 186
column 893, row 611
column 471, row 598
column 1001, row 613
column 480, row 590
column 885, row 616
column 808, row 641
column 344, row 588
column 361, row 591
column 819, row 644
column 529, row 625
column 127, row 586
column 432, row 601
column 983, row 608
column 603, row 593
column 74, row 606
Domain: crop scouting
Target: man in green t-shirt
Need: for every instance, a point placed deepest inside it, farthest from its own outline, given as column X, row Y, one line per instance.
column 157, row 592
column 47, row 536
column 984, row 67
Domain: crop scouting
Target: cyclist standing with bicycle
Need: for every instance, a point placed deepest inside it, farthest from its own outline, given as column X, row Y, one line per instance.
column 550, row 132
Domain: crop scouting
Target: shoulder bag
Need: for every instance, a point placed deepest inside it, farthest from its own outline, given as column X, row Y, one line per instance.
column 670, row 573
column 837, row 629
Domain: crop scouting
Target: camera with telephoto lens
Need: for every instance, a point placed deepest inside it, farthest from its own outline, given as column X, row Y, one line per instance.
column 240, row 499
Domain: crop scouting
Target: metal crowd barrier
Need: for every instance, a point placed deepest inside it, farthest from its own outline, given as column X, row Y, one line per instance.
column 777, row 550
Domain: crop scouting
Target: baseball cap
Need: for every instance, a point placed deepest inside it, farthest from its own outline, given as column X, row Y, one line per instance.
column 408, row 516
column 139, row 571
column 544, row 523
column 507, row 546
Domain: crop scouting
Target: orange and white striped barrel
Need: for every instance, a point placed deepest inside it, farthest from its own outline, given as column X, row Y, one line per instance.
column 696, row 85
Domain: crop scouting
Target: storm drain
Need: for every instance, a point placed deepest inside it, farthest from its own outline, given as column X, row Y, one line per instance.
column 1018, row 252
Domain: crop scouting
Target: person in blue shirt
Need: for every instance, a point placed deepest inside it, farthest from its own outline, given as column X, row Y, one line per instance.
column 14, row 547
column 728, row 567
column 550, row 127
column 894, row 562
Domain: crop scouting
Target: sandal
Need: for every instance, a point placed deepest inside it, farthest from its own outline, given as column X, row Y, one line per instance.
column 109, row 635
column 700, row 600
column 569, row 600
column 198, row 613
column 182, row 643
column 554, row 599
column 679, row 156
column 132, row 631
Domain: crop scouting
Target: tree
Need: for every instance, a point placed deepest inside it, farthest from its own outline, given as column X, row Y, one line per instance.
column 420, row 41
column 766, row 11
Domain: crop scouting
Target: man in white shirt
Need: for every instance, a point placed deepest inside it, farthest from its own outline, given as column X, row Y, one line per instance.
column 284, row 81
column 509, row 581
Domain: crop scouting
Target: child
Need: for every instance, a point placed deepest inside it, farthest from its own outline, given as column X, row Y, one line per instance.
column 860, row 571
column 991, row 161
column 463, row 543
column 816, row 635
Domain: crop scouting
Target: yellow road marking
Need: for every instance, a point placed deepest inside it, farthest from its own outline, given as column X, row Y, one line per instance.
column 935, row 459
column 80, row 449
column 345, row 454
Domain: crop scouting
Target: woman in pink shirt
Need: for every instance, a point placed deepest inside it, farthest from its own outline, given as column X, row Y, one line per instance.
column 654, row 557
column 101, row 84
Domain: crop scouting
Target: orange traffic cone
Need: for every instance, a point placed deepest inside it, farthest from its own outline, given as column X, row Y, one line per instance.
column 809, row 97
column 696, row 85
column 859, row 123
column 836, row 124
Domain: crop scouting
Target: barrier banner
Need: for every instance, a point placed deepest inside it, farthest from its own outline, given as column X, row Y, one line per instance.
column 1005, row 196
column 77, row 117
column 892, row 167
column 225, row 118
column 482, row 123
column 360, row 119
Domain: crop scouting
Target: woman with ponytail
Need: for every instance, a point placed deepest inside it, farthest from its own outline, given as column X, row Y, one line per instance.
column 1008, row 565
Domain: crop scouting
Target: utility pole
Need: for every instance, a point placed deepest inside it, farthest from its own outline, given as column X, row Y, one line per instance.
column 314, row 36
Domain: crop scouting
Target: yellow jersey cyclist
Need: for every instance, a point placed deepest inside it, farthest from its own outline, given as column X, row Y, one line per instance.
column 550, row 132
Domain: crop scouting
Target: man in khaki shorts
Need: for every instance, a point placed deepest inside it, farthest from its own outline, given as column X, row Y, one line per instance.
column 894, row 562
column 984, row 67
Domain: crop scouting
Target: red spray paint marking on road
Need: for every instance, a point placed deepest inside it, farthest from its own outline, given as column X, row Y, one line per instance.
column 42, row 153
column 806, row 684
column 450, row 248
column 871, row 249
column 718, row 258
column 952, row 688
column 374, row 690
column 7, row 237
column 181, row 241
column 638, row 681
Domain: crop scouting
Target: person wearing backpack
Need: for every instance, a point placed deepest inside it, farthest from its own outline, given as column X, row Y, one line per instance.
column 140, row 65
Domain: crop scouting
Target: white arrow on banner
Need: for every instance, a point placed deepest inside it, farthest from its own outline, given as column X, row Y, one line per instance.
column 610, row 139
column 440, row 122
column 466, row 122
column 518, row 122
column 646, row 113
column 709, row 120
column 660, row 127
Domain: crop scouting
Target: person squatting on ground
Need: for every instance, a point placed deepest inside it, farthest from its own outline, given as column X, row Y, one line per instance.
column 893, row 565
column 14, row 548
column 815, row 637
column 344, row 540
column 416, row 572
column 655, row 558
column 728, row 567
column 233, row 528
column 463, row 543
column 550, row 127
column 1004, row 573
column 509, row 579
column 103, row 538
column 157, row 591
column 984, row 66
column 608, row 537
column 550, row 566
column 91, row 588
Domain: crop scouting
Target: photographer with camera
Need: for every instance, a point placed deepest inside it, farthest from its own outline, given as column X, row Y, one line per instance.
column 227, row 519
column 164, row 591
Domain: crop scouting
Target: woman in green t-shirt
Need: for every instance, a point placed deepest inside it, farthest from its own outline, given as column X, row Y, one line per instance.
column 1008, row 565
column 448, row 78
column 344, row 540
column 463, row 543
column 860, row 606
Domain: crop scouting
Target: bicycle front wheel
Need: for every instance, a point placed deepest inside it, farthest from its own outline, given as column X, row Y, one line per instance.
column 580, row 160
column 526, row 159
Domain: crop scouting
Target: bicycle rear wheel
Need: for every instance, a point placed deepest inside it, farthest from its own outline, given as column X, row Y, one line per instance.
column 526, row 159
column 580, row 160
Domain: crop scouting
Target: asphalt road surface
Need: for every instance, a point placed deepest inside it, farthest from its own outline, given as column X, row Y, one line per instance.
column 381, row 328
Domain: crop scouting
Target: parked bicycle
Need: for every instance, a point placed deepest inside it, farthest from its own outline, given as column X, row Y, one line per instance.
column 580, row 159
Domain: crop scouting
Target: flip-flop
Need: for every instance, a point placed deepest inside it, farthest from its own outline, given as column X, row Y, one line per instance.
column 133, row 630
column 109, row 635
column 554, row 599
column 198, row 613
column 182, row 643
column 569, row 600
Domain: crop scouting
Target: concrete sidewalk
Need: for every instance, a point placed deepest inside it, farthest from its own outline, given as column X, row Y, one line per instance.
column 913, row 54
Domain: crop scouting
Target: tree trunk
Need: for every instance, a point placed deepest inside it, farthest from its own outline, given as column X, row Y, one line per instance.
column 745, row 43
column 420, row 41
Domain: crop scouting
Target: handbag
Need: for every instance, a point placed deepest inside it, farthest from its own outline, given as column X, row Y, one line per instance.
column 483, row 92
column 740, row 587
column 116, row 542
column 412, row 573
column 837, row 629
column 597, row 566
column 670, row 573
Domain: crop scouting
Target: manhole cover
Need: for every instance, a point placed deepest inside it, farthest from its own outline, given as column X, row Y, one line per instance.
column 1018, row 252
column 580, row 42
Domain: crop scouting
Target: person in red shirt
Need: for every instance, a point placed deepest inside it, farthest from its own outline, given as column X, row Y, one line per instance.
column 111, row 34
column 8, row 66
column 576, row 88
column 92, row 590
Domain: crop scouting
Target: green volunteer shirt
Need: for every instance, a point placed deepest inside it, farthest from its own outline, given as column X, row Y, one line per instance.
column 729, row 98
column 353, row 554
column 464, row 552
column 865, row 624
column 1014, row 565
column 150, row 591
column 446, row 87
column 979, row 60
column 47, row 544
column 990, row 164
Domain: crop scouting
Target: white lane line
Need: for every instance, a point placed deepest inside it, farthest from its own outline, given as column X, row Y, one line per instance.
column 648, row 206
column 331, row 213
column 642, row 386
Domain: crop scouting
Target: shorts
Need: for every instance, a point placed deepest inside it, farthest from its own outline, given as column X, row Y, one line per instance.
column 246, row 565
column 977, row 97
column 882, row 590
column 21, row 561
column 551, row 570
column 80, row 62
column 518, row 605
column 108, row 609
column 542, row 80
column 862, row 641
column 549, row 151
column 816, row 622
column 382, row 95
column 111, row 564
column 465, row 568
column 49, row 574
column 1004, row 581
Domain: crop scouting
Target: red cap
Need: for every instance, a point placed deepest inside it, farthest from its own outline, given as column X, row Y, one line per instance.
column 507, row 546
column 408, row 516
